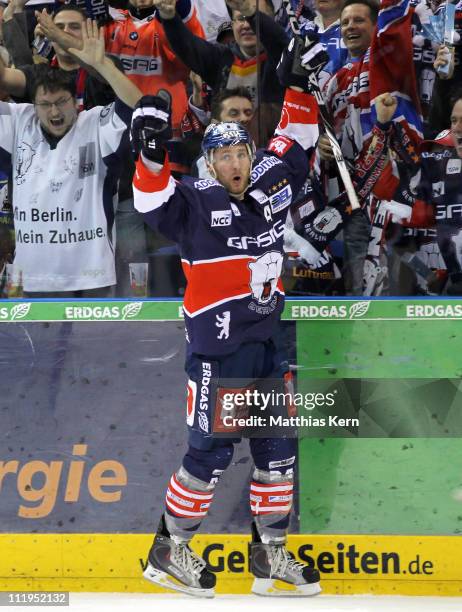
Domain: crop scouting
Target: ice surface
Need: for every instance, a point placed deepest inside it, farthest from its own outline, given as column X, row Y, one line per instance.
column 113, row 602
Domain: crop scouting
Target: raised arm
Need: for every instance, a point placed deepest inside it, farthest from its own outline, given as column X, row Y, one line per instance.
column 156, row 194
column 273, row 37
column 12, row 8
column 443, row 90
column 92, row 55
column 204, row 58
column 12, row 80
column 16, row 39
column 52, row 32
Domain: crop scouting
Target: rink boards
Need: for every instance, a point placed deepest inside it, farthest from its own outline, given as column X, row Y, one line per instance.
column 92, row 410
column 405, row 565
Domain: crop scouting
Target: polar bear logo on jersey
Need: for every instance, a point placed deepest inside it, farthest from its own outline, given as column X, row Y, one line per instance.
column 25, row 155
column 265, row 273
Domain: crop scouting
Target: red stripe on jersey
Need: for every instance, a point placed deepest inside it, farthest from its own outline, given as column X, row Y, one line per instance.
column 275, row 498
column 185, row 502
column 216, row 281
column 148, row 181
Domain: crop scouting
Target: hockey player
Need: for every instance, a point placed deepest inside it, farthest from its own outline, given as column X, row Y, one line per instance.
column 228, row 105
column 230, row 231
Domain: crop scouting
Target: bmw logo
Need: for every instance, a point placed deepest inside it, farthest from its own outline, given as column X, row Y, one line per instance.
column 133, row 36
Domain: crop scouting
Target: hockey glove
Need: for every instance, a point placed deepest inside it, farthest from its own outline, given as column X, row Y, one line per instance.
column 296, row 244
column 313, row 55
column 304, row 55
column 151, row 127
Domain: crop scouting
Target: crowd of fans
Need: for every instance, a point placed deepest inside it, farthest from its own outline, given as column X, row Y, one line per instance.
column 68, row 227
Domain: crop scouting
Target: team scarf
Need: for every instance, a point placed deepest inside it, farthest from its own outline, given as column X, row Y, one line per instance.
column 351, row 94
column 389, row 73
column 352, row 90
column 393, row 33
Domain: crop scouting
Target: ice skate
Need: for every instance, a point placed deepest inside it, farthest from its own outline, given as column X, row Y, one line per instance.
column 277, row 574
column 173, row 565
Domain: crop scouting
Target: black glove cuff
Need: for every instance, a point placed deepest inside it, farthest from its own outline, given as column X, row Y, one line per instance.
column 157, row 156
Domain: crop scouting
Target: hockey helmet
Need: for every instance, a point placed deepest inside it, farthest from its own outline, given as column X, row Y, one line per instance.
column 226, row 134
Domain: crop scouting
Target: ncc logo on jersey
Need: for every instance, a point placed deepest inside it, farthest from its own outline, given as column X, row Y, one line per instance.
column 221, row 218
column 453, row 166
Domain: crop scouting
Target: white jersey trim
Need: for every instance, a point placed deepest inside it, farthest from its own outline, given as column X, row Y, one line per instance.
column 228, row 258
column 266, row 489
column 202, row 496
column 181, row 511
column 148, row 201
column 215, row 304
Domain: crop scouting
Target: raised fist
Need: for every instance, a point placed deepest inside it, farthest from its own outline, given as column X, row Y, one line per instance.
column 151, row 127
column 385, row 106
column 246, row 7
column 304, row 56
column 166, row 8
column 313, row 54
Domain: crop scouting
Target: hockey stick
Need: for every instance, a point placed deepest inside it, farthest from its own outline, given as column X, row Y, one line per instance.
column 375, row 274
column 325, row 116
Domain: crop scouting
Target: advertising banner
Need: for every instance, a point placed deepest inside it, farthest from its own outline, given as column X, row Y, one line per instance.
column 349, row 564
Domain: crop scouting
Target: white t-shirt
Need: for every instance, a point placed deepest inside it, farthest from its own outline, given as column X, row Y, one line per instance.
column 64, row 198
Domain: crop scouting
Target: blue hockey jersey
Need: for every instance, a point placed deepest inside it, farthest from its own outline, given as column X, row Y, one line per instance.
column 231, row 249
